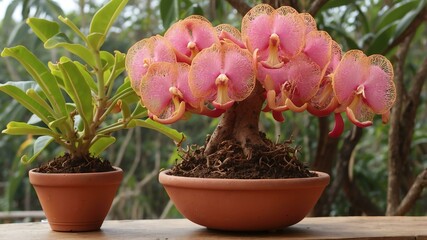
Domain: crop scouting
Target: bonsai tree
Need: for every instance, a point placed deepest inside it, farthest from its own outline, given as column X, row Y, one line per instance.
column 77, row 104
column 279, row 61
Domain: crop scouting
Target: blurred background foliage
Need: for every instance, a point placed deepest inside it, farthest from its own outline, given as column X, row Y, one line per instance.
column 371, row 25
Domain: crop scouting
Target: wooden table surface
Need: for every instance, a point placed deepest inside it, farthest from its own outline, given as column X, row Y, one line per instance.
column 309, row 228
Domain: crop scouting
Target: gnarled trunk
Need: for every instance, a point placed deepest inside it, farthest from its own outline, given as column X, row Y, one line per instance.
column 240, row 123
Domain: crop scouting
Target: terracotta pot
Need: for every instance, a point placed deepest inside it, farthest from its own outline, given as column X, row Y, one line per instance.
column 244, row 205
column 76, row 202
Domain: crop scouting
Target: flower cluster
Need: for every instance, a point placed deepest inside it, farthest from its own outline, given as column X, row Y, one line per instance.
column 202, row 69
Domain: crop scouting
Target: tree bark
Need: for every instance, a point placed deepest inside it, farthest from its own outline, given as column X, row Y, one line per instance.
column 402, row 126
column 357, row 199
column 240, row 5
column 325, row 157
column 240, row 123
column 316, row 6
column 413, row 194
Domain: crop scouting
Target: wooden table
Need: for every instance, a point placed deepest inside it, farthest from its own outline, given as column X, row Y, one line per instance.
column 309, row 228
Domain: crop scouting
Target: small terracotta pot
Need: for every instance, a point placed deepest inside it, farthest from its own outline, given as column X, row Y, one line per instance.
column 76, row 202
column 244, row 205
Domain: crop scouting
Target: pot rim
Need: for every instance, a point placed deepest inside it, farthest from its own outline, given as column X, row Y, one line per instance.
column 244, row 184
column 75, row 174
column 72, row 179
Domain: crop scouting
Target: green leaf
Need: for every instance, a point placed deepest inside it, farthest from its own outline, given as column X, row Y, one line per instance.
column 78, row 90
column 41, row 75
column 101, row 144
column 351, row 43
column 125, row 110
column 104, row 19
column 139, row 111
column 12, row 89
column 87, row 76
column 396, row 13
column 404, row 22
column 39, row 145
column 21, row 128
column 169, row 11
column 57, row 122
column 119, row 63
column 107, row 59
column 44, row 29
column 117, row 67
column 61, row 40
column 337, row 3
column 96, row 40
column 36, row 97
column 381, row 40
column 126, row 89
column 173, row 134
column 73, row 27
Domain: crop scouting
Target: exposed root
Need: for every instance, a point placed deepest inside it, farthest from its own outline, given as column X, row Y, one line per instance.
column 230, row 161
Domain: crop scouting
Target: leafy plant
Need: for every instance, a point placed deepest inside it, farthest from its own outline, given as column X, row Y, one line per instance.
column 75, row 102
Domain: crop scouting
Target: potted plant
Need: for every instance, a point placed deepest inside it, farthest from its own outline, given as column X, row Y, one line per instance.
column 278, row 61
column 77, row 104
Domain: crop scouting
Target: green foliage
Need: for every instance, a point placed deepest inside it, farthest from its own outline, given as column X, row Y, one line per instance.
column 69, row 92
column 173, row 10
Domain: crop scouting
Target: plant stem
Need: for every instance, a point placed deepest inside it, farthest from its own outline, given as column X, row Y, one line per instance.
column 101, row 103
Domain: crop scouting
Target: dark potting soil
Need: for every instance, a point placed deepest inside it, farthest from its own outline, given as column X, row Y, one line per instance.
column 229, row 161
column 64, row 164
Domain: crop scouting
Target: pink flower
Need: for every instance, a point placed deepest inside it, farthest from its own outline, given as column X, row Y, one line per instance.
column 222, row 74
column 292, row 55
column 145, row 52
column 165, row 92
column 189, row 36
column 364, row 86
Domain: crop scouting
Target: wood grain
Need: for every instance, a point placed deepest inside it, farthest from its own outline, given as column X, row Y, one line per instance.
column 309, row 228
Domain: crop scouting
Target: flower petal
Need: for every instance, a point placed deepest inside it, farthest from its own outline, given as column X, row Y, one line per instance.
column 335, row 57
column 155, row 87
column 182, row 84
column 191, row 35
column 303, row 79
column 318, row 46
column 380, row 91
column 224, row 64
column 257, row 27
column 359, row 112
column 164, row 91
column 350, row 73
column 226, row 32
column 145, row 52
column 263, row 21
column 338, row 127
column 324, row 102
column 290, row 28
column 309, row 22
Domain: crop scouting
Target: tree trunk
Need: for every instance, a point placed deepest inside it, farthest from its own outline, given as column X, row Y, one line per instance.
column 240, row 123
column 325, row 157
column 401, row 131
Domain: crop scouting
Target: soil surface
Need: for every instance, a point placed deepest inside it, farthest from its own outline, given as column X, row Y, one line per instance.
column 229, row 161
column 64, row 164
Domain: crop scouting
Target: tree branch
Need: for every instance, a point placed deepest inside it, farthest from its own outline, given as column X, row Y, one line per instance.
column 413, row 194
column 353, row 193
column 316, row 6
column 325, row 157
column 395, row 133
column 240, row 5
column 412, row 28
column 402, row 126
